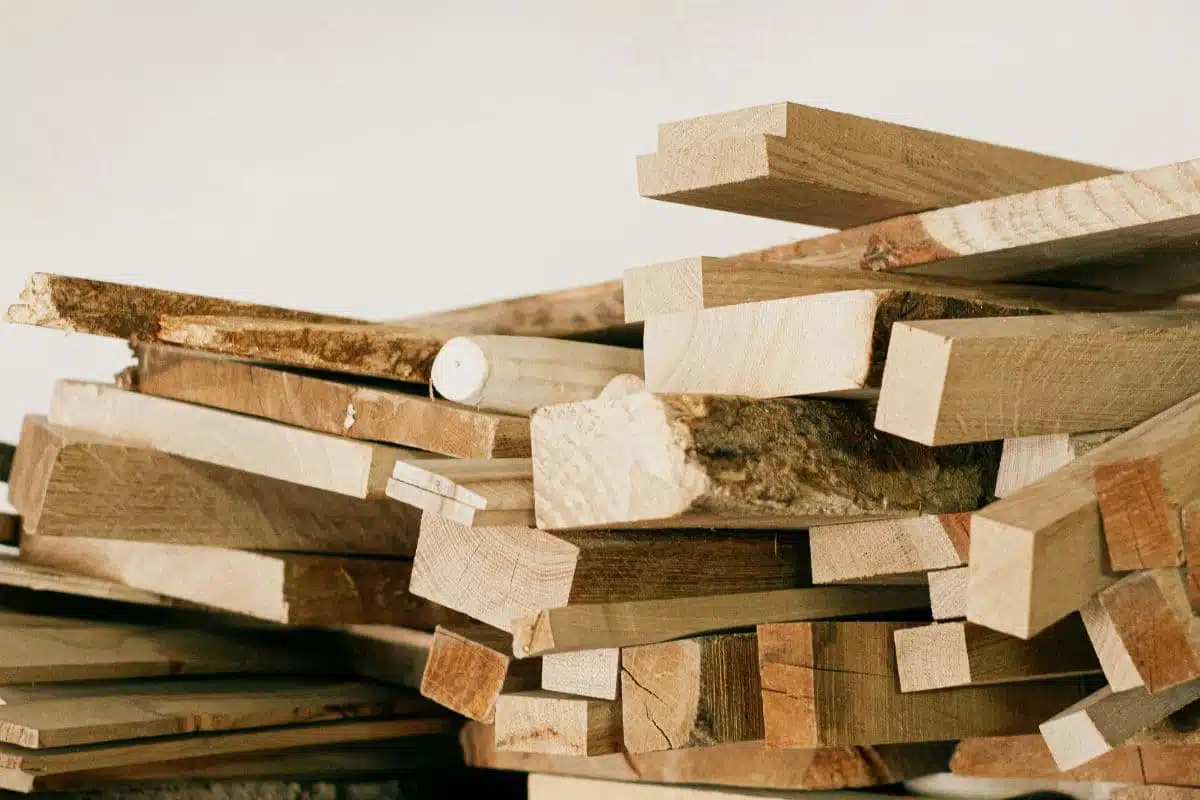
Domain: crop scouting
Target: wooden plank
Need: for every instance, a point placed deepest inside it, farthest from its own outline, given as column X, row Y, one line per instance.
column 1132, row 232
column 636, row 622
column 1026, row 459
column 691, row 693
column 1027, row 757
column 552, row 787
column 479, row 750
column 372, row 413
column 865, row 550
column 1098, row 723
column 1140, row 529
column 733, row 462
column 538, row 721
column 259, row 446
column 1144, row 631
column 1189, row 523
column 832, row 169
column 387, row 653
column 516, row 374
column 948, row 593
column 292, row 588
column 470, row 665
column 953, row 381
column 961, row 654
column 588, row 673
column 469, row 492
column 14, row 572
column 497, row 575
column 508, row 493
column 74, row 483
column 835, row 683
column 1039, row 554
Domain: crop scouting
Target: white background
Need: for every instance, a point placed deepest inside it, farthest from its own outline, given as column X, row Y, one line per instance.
column 381, row 158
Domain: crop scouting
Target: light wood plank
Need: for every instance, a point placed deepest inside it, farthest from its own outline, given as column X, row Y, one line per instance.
column 507, row 492
column 1039, row 554
column 865, row 550
column 387, row 653
column 948, row 593
column 469, row 492
column 835, row 683
column 713, row 461
column 637, row 622
column 373, row 413
column 538, row 721
column 497, row 575
column 470, row 665
column 14, row 572
column 961, row 654
column 588, row 673
column 1140, row 529
column 1026, row 459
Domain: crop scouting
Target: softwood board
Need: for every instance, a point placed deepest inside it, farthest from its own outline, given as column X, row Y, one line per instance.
column 865, row 550
column 329, row 406
column 538, row 721
column 1026, row 459
column 14, row 572
column 470, row 665
column 711, row 461
column 953, row 381
column 804, row 164
column 292, row 588
column 387, row 653
column 74, row 483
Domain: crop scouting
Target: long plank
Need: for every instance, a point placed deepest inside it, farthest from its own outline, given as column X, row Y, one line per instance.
column 961, row 654
column 804, row 164
column 538, row 721
column 259, row 446
column 1039, row 554
column 1026, row 459
column 587, row 673
column 864, row 550
column 329, row 406
column 637, row 622
column 497, row 575
column 74, row 483
column 1132, row 232
column 717, row 461
column 953, row 381
column 835, row 683
column 470, row 665
column 14, row 572
column 292, row 588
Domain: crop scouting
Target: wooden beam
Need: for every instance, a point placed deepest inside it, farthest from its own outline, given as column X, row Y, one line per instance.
column 961, row 654
column 516, row 374
column 865, row 550
column 1132, row 232
column 1026, row 459
column 835, row 683
column 292, row 588
column 376, row 350
column 372, row 413
column 730, row 462
column 74, row 483
column 387, row 653
column 831, row 169
column 636, row 622
column 691, row 693
column 259, row 446
column 14, row 572
column 1140, row 529
column 948, row 593
column 588, row 673
column 470, row 492
column 470, row 665
column 538, row 721
column 1039, row 554
column 1099, row 722
column 1144, row 631
column 497, row 575
column 1028, row 758
column 954, row 381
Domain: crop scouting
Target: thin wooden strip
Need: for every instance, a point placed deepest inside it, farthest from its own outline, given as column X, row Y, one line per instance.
column 514, row 492
column 470, row 665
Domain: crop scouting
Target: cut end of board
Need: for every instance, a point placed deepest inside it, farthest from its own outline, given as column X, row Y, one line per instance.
column 664, row 288
column 1000, row 570
column 914, row 378
column 460, row 371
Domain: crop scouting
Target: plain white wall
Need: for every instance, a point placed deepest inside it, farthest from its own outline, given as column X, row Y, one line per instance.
column 387, row 158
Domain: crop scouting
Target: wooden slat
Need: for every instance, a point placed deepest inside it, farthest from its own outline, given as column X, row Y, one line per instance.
column 948, row 593
column 329, row 406
column 732, row 462
column 961, row 654
column 1039, row 554
column 469, row 492
column 637, row 622
column 387, row 653
column 14, row 572
column 803, row 164
column 1026, row 459
column 865, row 550
column 538, row 721
column 470, row 665
column 835, row 683
column 1140, row 529
column 588, row 673
column 497, row 575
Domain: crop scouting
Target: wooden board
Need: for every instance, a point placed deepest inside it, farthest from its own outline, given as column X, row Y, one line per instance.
column 717, row 461
column 1039, row 554
column 865, row 550
column 691, row 693
column 14, row 572
column 1132, row 232
column 538, row 721
column 292, row 588
column 470, row 665
column 803, row 164
column 469, row 492
column 1140, row 529
column 961, row 654
column 1026, row 459
column 497, row 575
column 953, row 381
column 383, row 414
column 636, row 622
column 387, row 653
column 835, row 683
column 588, row 673
column 73, row 483
column 259, row 446
column 1027, row 757
column 948, row 593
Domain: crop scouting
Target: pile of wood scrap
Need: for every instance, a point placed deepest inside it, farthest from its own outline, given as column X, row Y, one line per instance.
column 918, row 496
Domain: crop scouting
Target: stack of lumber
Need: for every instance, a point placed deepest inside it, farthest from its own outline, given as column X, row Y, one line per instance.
column 917, row 496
